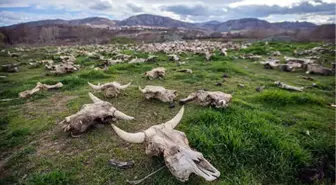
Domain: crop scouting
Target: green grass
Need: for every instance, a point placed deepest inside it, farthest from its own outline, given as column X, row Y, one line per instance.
column 261, row 138
column 54, row 177
column 281, row 98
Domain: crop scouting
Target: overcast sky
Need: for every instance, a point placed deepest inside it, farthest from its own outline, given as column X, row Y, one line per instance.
column 316, row 11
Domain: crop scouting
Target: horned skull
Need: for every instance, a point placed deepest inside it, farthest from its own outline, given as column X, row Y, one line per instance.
column 111, row 89
column 158, row 92
column 164, row 140
column 97, row 112
column 206, row 98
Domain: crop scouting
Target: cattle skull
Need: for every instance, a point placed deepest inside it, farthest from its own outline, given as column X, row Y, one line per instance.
column 97, row 112
column 39, row 87
column 206, row 98
column 111, row 89
column 158, row 92
column 158, row 72
column 164, row 140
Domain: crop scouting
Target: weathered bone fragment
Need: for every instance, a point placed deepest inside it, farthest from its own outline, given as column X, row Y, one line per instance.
column 224, row 52
column 137, row 60
column 209, row 98
column 271, row 64
column 68, row 59
column 276, row 53
column 152, row 58
column 62, row 68
column 173, row 57
column 164, row 140
column 11, row 68
column 208, row 56
column 185, row 71
column 288, row 87
column 158, row 72
column 111, row 89
column 317, row 69
column 39, row 87
column 90, row 114
column 158, row 92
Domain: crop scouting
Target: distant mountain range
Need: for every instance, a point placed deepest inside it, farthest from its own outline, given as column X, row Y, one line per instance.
column 149, row 20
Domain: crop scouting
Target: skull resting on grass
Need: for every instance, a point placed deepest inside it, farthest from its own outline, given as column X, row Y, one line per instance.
column 111, row 89
column 158, row 92
column 180, row 159
column 209, row 98
column 97, row 112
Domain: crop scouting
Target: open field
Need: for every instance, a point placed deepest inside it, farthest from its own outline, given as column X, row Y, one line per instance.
column 269, row 137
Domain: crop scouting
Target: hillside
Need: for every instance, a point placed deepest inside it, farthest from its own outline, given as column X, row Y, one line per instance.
column 270, row 136
column 161, row 21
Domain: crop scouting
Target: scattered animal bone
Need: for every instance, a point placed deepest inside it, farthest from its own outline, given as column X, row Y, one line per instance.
column 137, row 60
column 111, row 89
column 241, row 85
column 208, row 56
column 206, row 98
column 276, row 53
column 67, row 59
column 181, row 63
column 110, row 62
column 317, row 69
column 121, row 164
column 49, row 62
column 123, row 57
column 90, row 114
column 271, row 64
column 164, row 140
column 223, row 52
column 158, row 72
column 151, row 58
column 11, row 68
column 62, row 68
column 288, row 87
column 39, row 87
column 308, row 78
column 158, row 92
column 260, row 88
column 173, row 57
column 185, row 71
column 13, row 54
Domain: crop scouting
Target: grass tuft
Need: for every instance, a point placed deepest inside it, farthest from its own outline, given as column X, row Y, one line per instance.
column 281, row 98
column 55, row 178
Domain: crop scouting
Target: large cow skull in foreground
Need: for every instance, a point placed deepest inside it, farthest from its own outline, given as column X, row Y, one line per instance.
column 206, row 98
column 158, row 92
column 97, row 112
column 111, row 89
column 180, row 159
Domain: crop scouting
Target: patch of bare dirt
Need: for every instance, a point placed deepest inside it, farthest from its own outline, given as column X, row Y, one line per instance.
column 56, row 103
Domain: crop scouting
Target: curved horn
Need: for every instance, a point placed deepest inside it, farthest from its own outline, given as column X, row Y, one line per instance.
column 129, row 137
column 171, row 124
column 121, row 115
column 125, row 86
column 95, row 87
column 141, row 90
column 94, row 98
